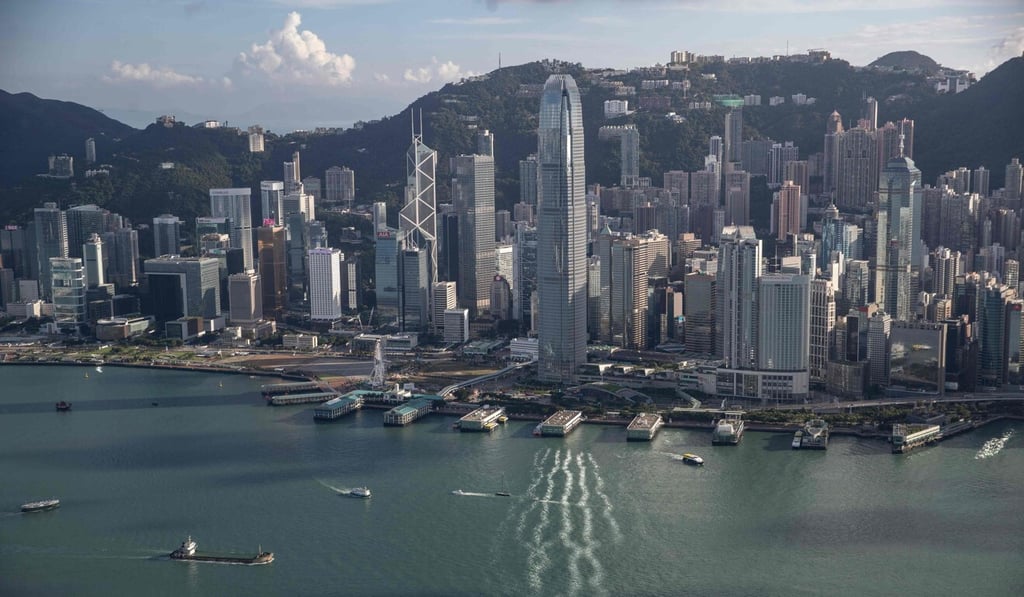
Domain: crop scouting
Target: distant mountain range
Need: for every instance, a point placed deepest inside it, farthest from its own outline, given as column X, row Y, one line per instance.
column 980, row 126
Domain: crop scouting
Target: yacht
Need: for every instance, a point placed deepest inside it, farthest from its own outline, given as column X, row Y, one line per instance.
column 360, row 492
column 693, row 459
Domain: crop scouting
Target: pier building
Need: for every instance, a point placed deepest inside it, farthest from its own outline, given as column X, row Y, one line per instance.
column 337, row 407
column 484, row 418
column 644, row 427
column 561, row 423
column 404, row 414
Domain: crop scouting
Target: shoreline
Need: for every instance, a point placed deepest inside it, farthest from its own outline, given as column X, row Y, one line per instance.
column 195, row 369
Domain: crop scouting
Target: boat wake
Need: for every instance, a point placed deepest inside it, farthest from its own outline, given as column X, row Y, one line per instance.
column 341, row 490
column 993, row 446
column 461, row 493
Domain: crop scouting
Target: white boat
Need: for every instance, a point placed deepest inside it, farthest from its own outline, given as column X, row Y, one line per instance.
column 798, row 438
column 693, row 459
column 40, row 506
column 360, row 492
column 458, row 492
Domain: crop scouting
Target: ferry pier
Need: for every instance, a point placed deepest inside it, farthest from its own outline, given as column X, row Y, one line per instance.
column 562, row 423
column 644, row 427
column 485, row 418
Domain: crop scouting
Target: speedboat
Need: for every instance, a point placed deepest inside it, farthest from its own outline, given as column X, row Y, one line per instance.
column 693, row 459
column 360, row 492
column 458, row 492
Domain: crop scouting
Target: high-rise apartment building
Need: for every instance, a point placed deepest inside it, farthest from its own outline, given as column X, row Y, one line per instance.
column 340, row 185
column 324, row 284
column 822, row 329
column 90, row 151
column 980, row 181
column 733, row 138
column 256, row 139
column 562, row 232
column 786, row 210
column 167, row 235
column 473, row 197
column 93, row 259
column 739, row 267
column 234, row 205
column 1014, row 183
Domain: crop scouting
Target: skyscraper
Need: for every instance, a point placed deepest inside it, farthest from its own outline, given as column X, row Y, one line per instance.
column 980, row 180
column 418, row 216
column 271, row 198
column 245, row 298
column 784, row 321
column 856, row 169
column 528, row 180
column 68, row 286
column 94, row 259
column 562, row 232
column 167, row 235
column 733, row 138
column 273, row 269
column 84, row 221
column 833, row 130
column 823, row 323
column 324, row 284
column 737, row 198
column 122, row 249
column 256, row 139
column 739, row 267
column 183, row 287
column 473, row 196
column 898, row 235
column 351, row 287
column 90, row 150
column 234, row 205
column 340, row 185
column 445, row 298
column 1014, row 183
column 787, row 211
column 51, row 232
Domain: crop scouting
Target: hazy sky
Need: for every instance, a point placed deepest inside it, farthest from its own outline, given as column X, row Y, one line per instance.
column 295, row 63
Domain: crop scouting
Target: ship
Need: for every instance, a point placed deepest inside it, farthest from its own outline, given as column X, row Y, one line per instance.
column 41, row 506
column 63, row 406
column 360, row 492
column 728, row 430
column 693, row 459
column 815, row 436
column 188, row 552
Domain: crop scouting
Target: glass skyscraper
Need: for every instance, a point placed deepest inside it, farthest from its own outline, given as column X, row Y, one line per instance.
column 561, row 232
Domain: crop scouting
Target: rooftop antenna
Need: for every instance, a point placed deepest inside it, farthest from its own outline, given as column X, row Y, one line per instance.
column 901, row 144
column 499, row 60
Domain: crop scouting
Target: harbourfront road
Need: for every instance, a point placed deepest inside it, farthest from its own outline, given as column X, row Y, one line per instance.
column 823, row 407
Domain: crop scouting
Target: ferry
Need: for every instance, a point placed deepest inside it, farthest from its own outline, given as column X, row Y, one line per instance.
column 63, row 406
column 693, row 459
column 815, row 435
column 728, row 430
column 187, row 552
column 40, row 506
column 360, row 492
column 797, row 439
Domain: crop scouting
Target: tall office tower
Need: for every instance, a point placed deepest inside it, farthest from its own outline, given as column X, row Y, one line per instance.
column 700, row 290
column 234, row 205
column 272, row 250
column 739, row 267
column 856, row 286
column 799, row 172
column 879, row 348
column 716, row 148
column 755, row 156
column 524, row 261
column 312, row 187
column 299, row 202
column 167, row 235
column 418, row 216
column 833, row 131
column 271, row 198
column 786, row 207
column 780, row 155
column 340, row 185
column 993, row 357
column 415, row 291
column 733, row 138
column 290, row 174
column 324, row 284
column 602, row 327
column 351, row 285
column 528, row 180
column 630, row 262
column 1013, row 185
column 122, row 254
column 898, row 236
column 183, row 287
column 68, row 284
column 629, row 152
column 597, row 316
column 380, row 216
column 871, row 112
column 445, row 298
column 90, row 151
column 387, row 254
column 887, row 144
column 502, row 225
column 521, row 212
column 947, row 268
column 737, row 198
column 245, row 298
column 501, row 299
column 784, row 319
column 823, row 324
column 256, row 139
column 504, row 262
column 856, row 169
column 7, row 286
column 51, row 233
column 562, row 232
column 473, row 197
column 484, row 143
column 980, row 181
column 83, row 221
column 94, row 258
column 15, row 251
column 448, row 253
column 704, row 193
column 1011, row 274
column 678, row 183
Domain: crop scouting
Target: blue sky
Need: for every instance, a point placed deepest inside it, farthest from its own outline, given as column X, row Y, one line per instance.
column 304, row 63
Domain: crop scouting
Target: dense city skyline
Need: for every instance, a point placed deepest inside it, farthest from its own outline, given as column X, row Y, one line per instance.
column 352, row 59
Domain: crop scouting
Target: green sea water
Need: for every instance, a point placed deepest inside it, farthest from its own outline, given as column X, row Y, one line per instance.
column 589, row 514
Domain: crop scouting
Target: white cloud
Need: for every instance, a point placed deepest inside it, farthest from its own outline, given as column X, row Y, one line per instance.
column 123, row 72
column 294, row 56
column 381, row 77
column 443, row 71
column 477, row 21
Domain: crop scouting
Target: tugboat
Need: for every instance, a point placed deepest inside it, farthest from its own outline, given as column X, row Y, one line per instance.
column 63, row 406
column 41, row 506
column 187, row 552
column 360, row 492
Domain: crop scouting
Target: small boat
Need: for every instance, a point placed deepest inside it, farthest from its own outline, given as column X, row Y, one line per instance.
column 360, row 492
column 693, row 459
column 504, row 488
column 797, row 439
column 87, row 375
column 99, row 369
column 41, row 506
column 458, row 492
column 538, row 430
column 63, row 406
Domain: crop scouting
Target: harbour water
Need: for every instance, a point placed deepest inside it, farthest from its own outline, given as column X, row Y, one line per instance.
column 589, row 514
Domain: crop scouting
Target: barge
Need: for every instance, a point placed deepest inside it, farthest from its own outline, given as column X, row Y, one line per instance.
column 187, row 552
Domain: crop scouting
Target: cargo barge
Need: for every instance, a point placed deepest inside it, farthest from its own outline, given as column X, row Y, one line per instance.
column 187, row 552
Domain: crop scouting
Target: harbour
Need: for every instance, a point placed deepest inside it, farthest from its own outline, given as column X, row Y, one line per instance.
column 588, row 513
